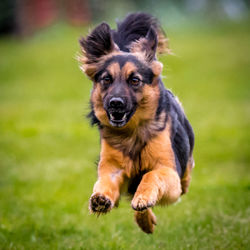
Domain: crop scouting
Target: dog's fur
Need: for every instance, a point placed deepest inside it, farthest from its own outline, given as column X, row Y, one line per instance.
column 146, row 139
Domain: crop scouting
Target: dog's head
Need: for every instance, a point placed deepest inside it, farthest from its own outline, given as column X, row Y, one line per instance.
column 125, row 82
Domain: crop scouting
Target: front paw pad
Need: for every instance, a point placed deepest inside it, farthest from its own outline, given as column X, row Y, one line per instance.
column 99, row 204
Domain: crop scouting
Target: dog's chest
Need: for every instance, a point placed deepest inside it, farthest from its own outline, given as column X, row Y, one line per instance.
column 155, row 153
column 130, row 142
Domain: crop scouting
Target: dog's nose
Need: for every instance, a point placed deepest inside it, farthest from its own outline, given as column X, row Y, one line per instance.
column 116, row 102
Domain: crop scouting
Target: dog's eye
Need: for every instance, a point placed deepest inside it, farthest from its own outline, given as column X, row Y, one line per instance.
column 106, row 80
column 134, row 81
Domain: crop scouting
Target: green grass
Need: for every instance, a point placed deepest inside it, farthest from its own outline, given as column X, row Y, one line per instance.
column 48, row 150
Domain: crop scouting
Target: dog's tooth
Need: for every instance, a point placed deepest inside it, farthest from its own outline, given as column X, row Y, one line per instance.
column 112, row 117
column 123, row 118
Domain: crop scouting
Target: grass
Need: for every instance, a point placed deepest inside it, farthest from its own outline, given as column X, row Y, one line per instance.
column 48, row 150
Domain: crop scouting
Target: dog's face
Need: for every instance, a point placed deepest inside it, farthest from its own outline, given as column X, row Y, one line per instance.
column 122, row 79
column 124, row 82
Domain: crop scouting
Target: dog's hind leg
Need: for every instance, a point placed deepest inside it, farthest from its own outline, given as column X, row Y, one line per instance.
column 185, row 181
column 146, row 220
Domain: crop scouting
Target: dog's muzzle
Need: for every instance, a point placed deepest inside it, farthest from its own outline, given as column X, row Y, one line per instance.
column 117, row 111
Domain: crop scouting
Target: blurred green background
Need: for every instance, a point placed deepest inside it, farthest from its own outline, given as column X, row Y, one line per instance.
column 48, row 149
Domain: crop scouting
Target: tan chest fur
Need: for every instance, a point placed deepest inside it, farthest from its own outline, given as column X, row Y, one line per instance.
column 156, row 153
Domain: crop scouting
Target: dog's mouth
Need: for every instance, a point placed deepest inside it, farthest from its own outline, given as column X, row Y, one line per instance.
column 118, row 118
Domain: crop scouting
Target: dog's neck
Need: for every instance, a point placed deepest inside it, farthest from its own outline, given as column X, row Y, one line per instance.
column 131, row 140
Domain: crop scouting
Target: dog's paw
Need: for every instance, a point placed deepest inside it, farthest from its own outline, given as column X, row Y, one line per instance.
column 99, row 203
column 140, row 203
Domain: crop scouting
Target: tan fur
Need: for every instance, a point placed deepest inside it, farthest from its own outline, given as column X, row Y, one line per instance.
column 89, row 68
column 156, row 68
column 128, row 69
column 162, row 46
column 114, row 69
column 185, row 181
column 148, row 101
column 160, row 184
column 110, row 173
column 146, row 220
column 138, row 46
column 96, row 97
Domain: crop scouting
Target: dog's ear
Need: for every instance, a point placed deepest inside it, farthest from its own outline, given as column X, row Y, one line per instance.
column 146, row 45
column 96, row 45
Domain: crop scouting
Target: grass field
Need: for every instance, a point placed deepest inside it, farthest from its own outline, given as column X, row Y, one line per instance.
column 48, row 150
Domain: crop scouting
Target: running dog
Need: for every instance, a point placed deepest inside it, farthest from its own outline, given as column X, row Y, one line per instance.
column 146, row 139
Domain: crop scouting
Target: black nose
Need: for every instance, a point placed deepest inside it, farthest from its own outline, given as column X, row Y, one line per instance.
column 116, row 102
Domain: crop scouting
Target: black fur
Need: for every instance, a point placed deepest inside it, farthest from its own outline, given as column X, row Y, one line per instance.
column 182, row 136
column 93, row 118
column 134, row 182
column 98, row 43
column 132, row 28
column 151, row 44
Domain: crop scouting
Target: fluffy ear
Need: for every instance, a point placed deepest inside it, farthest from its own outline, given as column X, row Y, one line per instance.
column 146, row 45
column 97, row 44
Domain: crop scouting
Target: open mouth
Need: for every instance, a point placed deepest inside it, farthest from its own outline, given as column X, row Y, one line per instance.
column 117, row 118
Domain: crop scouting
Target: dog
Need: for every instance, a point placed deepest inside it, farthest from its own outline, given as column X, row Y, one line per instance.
column 146, row 140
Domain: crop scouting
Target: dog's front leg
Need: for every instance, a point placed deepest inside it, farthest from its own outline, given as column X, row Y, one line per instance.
column 106, row 191
column 159, row 185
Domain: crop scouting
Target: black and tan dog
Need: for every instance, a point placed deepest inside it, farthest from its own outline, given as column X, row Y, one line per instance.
column 146, row 140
